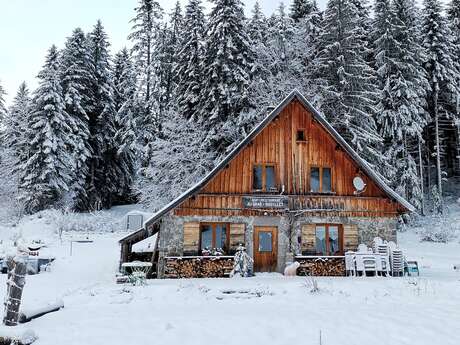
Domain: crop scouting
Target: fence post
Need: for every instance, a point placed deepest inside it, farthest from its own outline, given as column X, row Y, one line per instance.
column 15, row 285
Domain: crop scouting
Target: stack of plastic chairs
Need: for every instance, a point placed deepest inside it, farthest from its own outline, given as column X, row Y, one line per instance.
column 396, row 260
column 382, row 250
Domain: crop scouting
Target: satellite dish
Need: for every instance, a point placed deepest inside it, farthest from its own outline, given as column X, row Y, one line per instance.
column 359, row 184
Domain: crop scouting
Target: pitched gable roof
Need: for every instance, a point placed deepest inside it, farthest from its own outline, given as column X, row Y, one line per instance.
column 294, row 95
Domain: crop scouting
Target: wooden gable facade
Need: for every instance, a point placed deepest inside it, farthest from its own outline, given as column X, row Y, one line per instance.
column 293, row 156
column 285, row 191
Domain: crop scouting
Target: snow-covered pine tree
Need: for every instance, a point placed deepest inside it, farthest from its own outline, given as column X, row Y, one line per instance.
column 443, row 76
column 300, row 9
column 257, row 26
column 453, row 13
column 282, row 56
column 14, row 149
column 402, row 115
column 145, row 37
column 227, row 69
column 105, row 176
column 171, row 37
column 17, row 125
column 2, row 104
column 189, row 61
column 76, row 78
column 348, row 97
column 124, row 78
column 48, row 171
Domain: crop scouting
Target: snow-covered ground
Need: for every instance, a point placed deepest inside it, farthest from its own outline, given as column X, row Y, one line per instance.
column 266, row 309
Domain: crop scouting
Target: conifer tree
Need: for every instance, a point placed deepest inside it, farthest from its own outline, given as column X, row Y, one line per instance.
column 300, row 9
column 104, row 173
column 14, row 145
column 189, row 61
column 145, row 38
column 125, row 122
column 76, row 78
column 171, row 45
column 47, row 172
column 453, row 13
column 443, row 76
column 257, row 25
column 348, row 97
column 227, row 67
column 17, row 125
column 2, row 104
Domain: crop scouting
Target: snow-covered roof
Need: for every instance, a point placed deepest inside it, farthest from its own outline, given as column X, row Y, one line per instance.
column 295, row 94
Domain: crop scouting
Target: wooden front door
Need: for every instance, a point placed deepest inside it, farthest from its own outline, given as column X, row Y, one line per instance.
column 265, row 248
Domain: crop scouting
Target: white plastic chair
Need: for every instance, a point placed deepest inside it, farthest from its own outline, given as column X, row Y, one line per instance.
column 365, row 262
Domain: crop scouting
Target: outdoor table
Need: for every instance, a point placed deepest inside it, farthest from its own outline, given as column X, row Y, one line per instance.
column 139, row 270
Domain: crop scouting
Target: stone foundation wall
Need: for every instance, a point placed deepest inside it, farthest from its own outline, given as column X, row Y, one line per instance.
column 172, row 232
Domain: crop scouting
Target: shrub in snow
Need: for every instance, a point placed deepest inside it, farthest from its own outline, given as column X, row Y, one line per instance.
column 312, row 284
column 243, row 263
column 439, row 229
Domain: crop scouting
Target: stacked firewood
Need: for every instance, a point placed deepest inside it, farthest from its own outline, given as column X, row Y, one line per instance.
column 321, row 267
column 198, row 267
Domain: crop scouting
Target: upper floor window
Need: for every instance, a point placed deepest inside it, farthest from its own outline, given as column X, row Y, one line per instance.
column 320, row 180
column 263, row 177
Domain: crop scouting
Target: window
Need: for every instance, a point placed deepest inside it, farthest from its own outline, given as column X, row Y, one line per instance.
column 264, row 178
column 328, row 239
column 214, row 236
column 301, row 135
column 265, row 241
column 320, row 180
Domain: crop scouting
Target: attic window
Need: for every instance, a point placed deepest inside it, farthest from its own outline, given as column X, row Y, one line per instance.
column 301, row 137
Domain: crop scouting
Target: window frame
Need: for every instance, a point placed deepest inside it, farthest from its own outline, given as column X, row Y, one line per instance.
column 320, row 191
column 264, row 178
column 304, row 131
column 213, row 240
column 341, row 239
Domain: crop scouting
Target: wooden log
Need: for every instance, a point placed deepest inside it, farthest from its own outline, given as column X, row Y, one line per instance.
column 321, row 266
column 15, row 286
column 27, row 315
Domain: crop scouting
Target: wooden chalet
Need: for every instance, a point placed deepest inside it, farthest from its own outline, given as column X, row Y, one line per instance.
column 293, row 189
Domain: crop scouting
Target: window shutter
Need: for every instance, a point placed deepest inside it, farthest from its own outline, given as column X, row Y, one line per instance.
column 236, row 235
column 308, row 239
column 191, row 237
column 350, row 237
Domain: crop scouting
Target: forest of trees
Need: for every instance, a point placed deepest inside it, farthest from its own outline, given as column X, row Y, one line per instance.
column 147, row 122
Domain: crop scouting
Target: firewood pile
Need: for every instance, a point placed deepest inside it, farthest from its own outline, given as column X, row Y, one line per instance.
column 321, row 266
column 198, row 267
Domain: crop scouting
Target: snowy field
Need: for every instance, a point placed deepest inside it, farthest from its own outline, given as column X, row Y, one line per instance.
column 268, row 308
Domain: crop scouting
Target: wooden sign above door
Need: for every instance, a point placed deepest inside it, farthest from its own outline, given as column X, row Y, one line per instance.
column 260, row 202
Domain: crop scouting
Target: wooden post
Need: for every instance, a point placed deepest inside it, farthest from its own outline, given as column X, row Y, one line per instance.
column 15, row 284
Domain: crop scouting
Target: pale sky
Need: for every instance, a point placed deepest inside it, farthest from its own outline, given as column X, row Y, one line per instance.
column 29, row 27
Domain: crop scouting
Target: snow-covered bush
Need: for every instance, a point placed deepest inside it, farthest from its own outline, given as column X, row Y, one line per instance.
column 80, row 222
column 439, row 229
column 243, row 263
